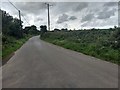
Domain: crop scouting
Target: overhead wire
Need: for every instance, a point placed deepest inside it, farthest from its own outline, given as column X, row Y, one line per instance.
column 19, row 10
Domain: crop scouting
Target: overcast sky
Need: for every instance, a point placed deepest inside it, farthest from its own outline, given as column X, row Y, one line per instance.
column 71, row 15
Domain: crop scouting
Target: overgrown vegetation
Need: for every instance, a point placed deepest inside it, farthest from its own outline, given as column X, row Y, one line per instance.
column 13, row 36
column 100, row 43
column 12, row 44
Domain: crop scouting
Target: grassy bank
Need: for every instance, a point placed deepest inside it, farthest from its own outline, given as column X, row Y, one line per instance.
column 12, row 45
column 97, row 43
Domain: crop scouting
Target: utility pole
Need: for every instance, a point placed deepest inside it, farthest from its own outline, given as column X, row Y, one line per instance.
column 19, row 17
column 20, row 22
column 48, row 5
column 48, row 17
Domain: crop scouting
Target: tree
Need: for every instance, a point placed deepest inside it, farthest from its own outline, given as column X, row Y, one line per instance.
column 26, row 30
column 33, row 30
column 14, row 29
column 115, row 27
column 64, row 29
column 43, row 29
column 10, row 25
column 56, row 29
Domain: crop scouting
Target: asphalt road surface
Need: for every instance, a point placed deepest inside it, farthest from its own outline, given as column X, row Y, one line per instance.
column 38, row 64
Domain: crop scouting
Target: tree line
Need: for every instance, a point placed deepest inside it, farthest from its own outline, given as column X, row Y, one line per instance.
column 11, row 28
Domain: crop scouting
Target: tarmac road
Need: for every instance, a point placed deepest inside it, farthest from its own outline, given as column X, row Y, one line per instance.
column 38, row 64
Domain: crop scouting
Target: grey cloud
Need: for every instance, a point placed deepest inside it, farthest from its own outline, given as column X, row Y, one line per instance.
column 38, row 19
column 66, row 25
column 64, row 17
column 90, row 11
column 64, row 7
column 31, row 7
column 72, row 18
column 87, row 17
column 106, row 14
column 101, row 23
column 84, row 24
column 37, row 8
column 111, row 4
column 81, row 6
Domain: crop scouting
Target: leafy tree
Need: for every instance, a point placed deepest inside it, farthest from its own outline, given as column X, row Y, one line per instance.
column 10, row 25
column 14, row 29
column 26, row 30
column 43, row 29
column 56, row 29
column 64, row 29
column 115, row 27
column 31, row 30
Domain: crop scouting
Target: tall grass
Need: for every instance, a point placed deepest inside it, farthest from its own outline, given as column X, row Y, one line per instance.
column 97, row 43
column 12, row 45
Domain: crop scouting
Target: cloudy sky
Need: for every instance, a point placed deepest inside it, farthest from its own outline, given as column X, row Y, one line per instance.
column 71, row 15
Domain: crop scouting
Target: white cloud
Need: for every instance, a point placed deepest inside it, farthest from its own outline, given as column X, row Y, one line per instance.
column 67, row 14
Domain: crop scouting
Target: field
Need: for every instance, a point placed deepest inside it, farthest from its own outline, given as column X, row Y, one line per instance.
column 100, row 43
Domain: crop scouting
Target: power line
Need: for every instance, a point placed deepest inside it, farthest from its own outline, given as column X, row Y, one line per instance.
column 18, row 11
column 25, row 19
column 13, row 5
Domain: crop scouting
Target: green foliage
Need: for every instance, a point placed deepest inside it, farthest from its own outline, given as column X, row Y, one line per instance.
column 12, row 35
column 31, row 30
column 100, row 43
column 43, row 29
column 10, row 25
column 117, row 38
column 13, row 44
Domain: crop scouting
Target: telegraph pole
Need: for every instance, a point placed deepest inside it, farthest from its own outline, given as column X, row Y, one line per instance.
column 48, row 5
column 20, row 19
column 18, row 12
column 20, row 22
column 48, row 17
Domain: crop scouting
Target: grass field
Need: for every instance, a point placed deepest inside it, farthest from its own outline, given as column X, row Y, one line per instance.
column 97, row 43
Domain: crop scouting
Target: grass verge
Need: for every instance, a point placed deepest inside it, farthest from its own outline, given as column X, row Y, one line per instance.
column 9, row 48
column 87, row 45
